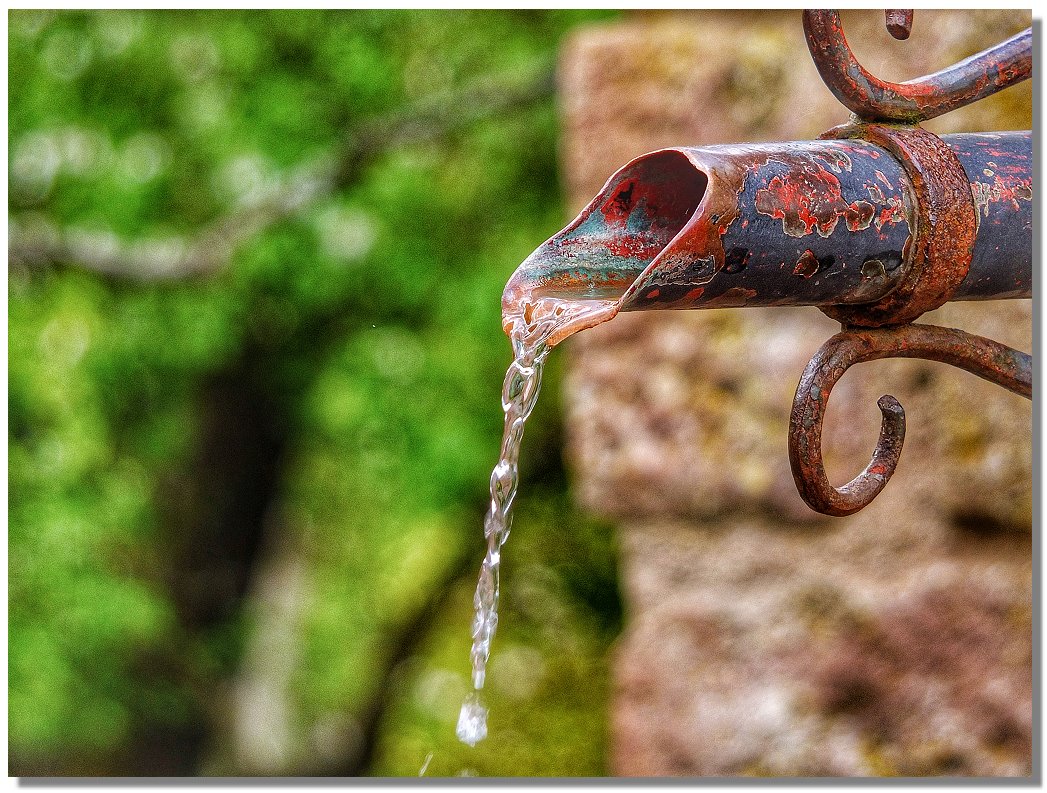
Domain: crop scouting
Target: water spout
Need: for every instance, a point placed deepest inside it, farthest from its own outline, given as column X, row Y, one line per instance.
column 596, row 259
column 824, row 222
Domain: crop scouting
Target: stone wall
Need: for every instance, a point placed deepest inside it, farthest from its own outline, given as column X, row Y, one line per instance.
column 762, row 638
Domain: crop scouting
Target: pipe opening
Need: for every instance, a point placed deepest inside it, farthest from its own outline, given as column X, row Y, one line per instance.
column 638, row 213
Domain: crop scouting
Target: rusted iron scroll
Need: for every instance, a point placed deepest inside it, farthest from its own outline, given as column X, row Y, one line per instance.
column 871, row 98
column 983, row 357
column 937, row 259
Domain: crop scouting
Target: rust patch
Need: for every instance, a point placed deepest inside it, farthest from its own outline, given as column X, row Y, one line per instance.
column 809, row 199
column 806, row 265
column 985, row 358
column 940, row 256
column 1000, row 190
column 899, row 23
column 735, row 297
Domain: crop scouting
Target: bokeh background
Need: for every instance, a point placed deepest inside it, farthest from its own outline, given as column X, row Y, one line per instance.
column 254, row 363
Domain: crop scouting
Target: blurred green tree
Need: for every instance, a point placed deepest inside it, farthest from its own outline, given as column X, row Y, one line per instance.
column 255, row 263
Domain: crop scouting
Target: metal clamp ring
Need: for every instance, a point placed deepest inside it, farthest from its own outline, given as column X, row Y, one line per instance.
column 938, row 254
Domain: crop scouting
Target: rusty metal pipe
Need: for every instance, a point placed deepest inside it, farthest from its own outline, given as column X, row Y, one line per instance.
column 817, row 223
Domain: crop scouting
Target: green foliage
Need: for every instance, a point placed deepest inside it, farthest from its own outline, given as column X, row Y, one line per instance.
column 367, row 323
column 79, row 524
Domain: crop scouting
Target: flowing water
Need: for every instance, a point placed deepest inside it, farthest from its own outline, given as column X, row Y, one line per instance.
column 534, row 328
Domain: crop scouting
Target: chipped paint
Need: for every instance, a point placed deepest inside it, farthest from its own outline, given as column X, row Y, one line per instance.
column 680, row 228
column 1000, row 190
column 809, row 199
column 806, row 265
column 836, row 159
column 894, row 212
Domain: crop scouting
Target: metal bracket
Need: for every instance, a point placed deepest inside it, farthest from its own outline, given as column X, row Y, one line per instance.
column 983, row 357
column 873, row 99
column 937, row 258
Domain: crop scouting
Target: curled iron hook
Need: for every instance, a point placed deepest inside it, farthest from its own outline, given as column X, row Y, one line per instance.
column 871, row 98
column 983, row 357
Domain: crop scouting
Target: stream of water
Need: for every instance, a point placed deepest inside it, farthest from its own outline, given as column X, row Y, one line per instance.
column 534, row 328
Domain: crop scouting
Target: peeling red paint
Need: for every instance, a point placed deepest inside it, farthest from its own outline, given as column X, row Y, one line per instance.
column 894, row 212
column 836, row 159
column 809, row 199
column 859, row 215
column 1000, row 190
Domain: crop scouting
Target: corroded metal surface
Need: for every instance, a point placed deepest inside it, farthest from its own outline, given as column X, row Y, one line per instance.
column 938, row 255
column 947, row 220
column 877, row 223
column 899, row 23
column 803, row 223
column 870, row 98
column 999, row 168
column 985, row 358
column 788, row 224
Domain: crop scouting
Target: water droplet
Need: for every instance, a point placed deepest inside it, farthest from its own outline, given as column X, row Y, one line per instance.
column 472, row 721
